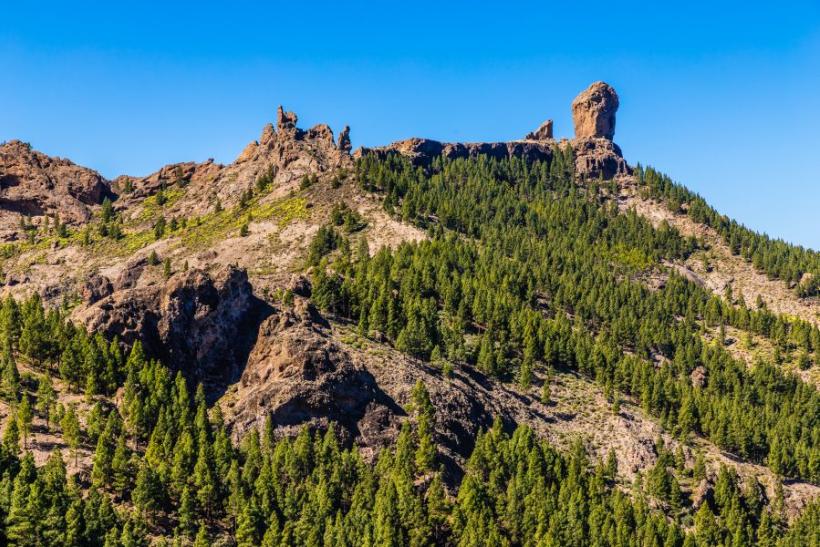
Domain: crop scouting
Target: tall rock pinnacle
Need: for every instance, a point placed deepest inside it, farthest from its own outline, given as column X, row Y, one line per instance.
column 593, row 112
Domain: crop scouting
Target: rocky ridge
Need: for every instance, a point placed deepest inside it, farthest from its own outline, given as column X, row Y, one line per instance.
column 33, row 184
column 596, row 156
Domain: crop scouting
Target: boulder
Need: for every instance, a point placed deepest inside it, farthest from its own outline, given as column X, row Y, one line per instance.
column 593, row 112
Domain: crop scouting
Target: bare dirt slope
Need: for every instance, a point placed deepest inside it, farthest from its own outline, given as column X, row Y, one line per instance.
column 717, row 268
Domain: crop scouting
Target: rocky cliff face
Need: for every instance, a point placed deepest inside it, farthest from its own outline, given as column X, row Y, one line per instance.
column 202, row 324
column 297, row 375
column 593, row 114
column 34, row 184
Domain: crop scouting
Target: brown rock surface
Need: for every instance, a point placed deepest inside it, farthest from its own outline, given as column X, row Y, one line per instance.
column 96, row 288
column 196, row 322
column 34, row 184
column 593, row 112
column 344, row 139
column 175, row 174
column 599, row 158
column 543, row 133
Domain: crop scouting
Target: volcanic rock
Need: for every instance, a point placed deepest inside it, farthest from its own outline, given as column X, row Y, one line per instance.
column 593, row 112
column 95, row 288
column 298, row 375
column 424, row 151
column 286, row 121
column 599, row 158
column 344, row 139
column 34, row 184
column 195, row 322
column 175, row 174
column 543, row 133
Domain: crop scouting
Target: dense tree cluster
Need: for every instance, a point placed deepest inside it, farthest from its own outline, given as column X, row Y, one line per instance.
column 164, row 466
column 524, row 269
column 775, row 257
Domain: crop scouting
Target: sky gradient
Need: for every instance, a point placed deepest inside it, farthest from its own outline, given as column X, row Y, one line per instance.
column 724, row 98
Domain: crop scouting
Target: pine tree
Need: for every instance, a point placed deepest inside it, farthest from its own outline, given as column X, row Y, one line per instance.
column 11, row 436
column 121, row 466
column 103, row 455
column 107, row 212
column 11, row 376
column 70, row 426
column 202, row 539
column 247, row 530
column 546, row 393
column 46, row 398
column 147, row 490
column 204, row 479
column 187, row 513
column 20, row 528
column 24, row 419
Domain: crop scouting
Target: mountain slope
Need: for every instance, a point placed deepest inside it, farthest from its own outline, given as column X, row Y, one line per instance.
column 405, row 298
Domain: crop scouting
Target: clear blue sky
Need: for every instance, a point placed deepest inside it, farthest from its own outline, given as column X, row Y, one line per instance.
column 723, row 96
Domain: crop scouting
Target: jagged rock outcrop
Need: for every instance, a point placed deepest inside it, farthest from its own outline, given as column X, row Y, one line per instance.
column 290, row 151
column 175, row 174
column 286, row 121
column 284, row 152
column 543, row 133
column 297, row 375
column 321, row 133
column 593, row 112
column 344, row 139
column 196, row 322
column 35, row 184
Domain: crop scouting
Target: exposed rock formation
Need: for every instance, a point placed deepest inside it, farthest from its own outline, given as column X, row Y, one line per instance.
column 298, row 374
column 344, row 139
column 286, row 121
column 593, row 112
column 284, row 152
column 175, row 174
column 423, row 151
column 195, row 322
column 543, row 133
column 34, row 184
column 599, row 158
column 321, row 133
column 596, row 156
column 95, row 288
